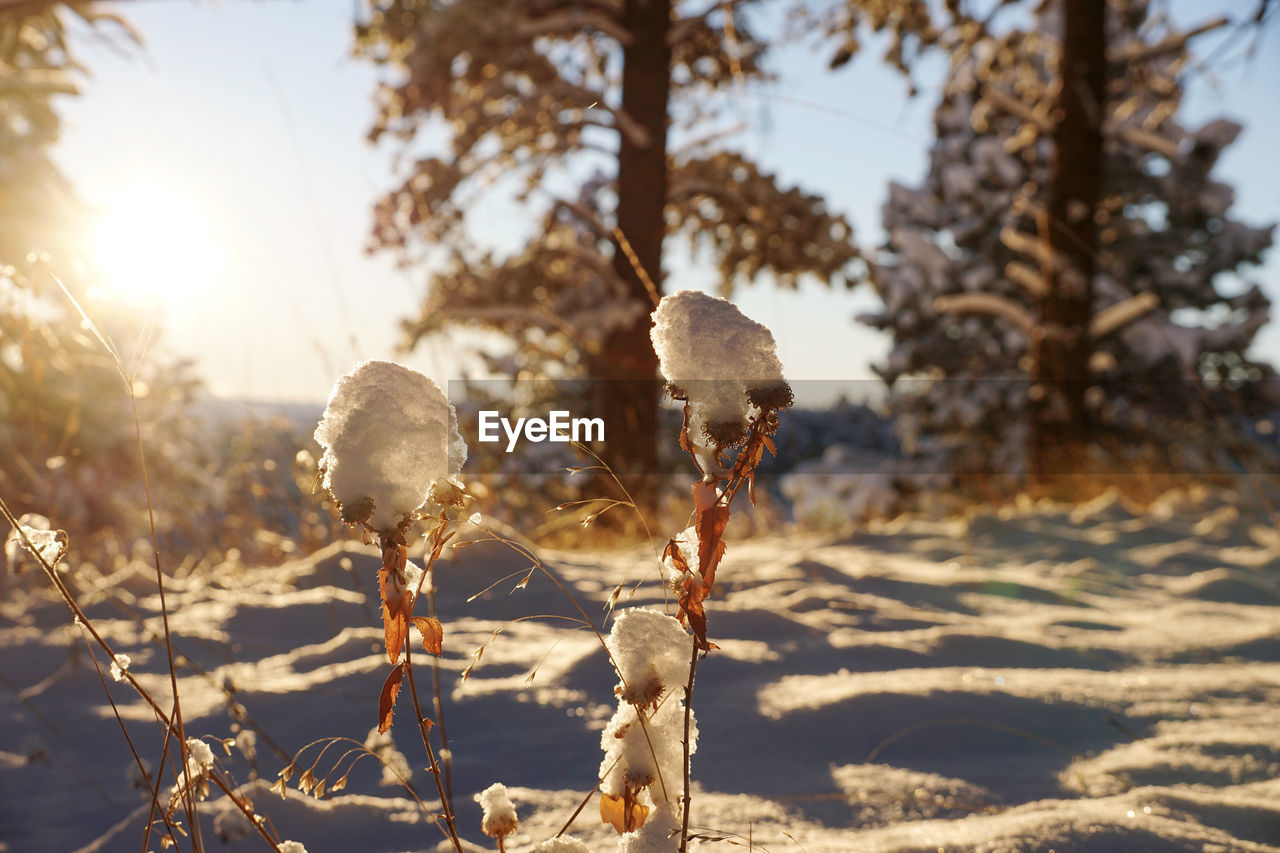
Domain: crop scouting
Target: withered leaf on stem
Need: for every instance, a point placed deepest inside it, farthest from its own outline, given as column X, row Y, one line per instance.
column 432, row 634
column 387, row 699
column 615, row 810
column 396, row 603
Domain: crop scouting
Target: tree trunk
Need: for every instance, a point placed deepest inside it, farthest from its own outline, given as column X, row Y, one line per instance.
column 629, row 365
column 1060, row 422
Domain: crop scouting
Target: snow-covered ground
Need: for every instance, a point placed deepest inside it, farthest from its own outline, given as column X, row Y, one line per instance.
column 1042, row 679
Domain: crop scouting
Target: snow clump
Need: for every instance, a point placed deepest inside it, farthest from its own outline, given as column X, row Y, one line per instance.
column 723, row 363
column 499, row 819
column 643, row 741
column 45, row 543
column 660, row 833
column 391, row 445
column 119, row 666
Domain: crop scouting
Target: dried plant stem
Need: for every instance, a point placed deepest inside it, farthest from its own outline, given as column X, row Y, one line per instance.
column 152, row 789
column 688, row 713
column 446, row 755
column 431, row 755
column 165, row 719
column 188, row 801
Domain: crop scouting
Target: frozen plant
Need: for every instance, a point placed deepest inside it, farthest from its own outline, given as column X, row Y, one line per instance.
column 724, row 367
column 644, row 759
column 499, row 815
column 392, row 452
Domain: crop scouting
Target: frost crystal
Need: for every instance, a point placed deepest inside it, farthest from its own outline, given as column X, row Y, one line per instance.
column 389, row 437
column 721, row 361
column 499, row 818
column 120, row 666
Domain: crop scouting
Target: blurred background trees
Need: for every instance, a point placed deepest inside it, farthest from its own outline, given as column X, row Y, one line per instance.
column 1056, row 310
column 609, row 119
column 68, row 446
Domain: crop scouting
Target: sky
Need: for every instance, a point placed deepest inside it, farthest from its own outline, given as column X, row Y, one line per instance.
column 236, row 133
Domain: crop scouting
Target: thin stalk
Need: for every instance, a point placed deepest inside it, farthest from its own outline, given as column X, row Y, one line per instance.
column 142, row 769
column 431, row 755
column 188, row 801
column 446, row 754
column 688, row 713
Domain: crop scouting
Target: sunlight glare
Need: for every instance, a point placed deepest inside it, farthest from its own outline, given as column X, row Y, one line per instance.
column 153, row 243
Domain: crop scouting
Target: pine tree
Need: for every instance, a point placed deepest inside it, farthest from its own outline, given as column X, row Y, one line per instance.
column 977, row 253
column 613, row 118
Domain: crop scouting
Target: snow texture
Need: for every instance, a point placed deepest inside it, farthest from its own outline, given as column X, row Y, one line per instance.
column 716, row 355
column 643, row 741
column 389, row 436
column 660, row 833
column 563, row 844
column 1087, row 678
column 499, row 815
column 292, row 847
column 650, row 649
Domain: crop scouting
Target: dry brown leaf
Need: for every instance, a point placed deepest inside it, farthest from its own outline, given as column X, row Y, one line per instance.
column 395, row 617
column 387, row 699
column 432, row 634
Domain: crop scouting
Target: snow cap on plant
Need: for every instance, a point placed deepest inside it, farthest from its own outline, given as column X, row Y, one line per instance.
column 391, row 445
column 499, row 816
column 720, row 361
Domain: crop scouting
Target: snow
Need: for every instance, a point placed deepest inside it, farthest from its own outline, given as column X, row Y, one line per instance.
column 660, row 833
column 498, row 819
column 389, row 436
column 48, row 544
column 564, row 844
column 651, row 651
column 1076, row 678
column 716, row 356
column 643, row 741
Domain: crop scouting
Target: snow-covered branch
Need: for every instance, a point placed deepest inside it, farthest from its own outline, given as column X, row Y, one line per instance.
column 985, row 303
column 1122, row 314
column 573, row 20
column 1175, row 43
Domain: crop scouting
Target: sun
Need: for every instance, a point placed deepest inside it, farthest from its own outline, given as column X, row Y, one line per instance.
column 153, row 243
